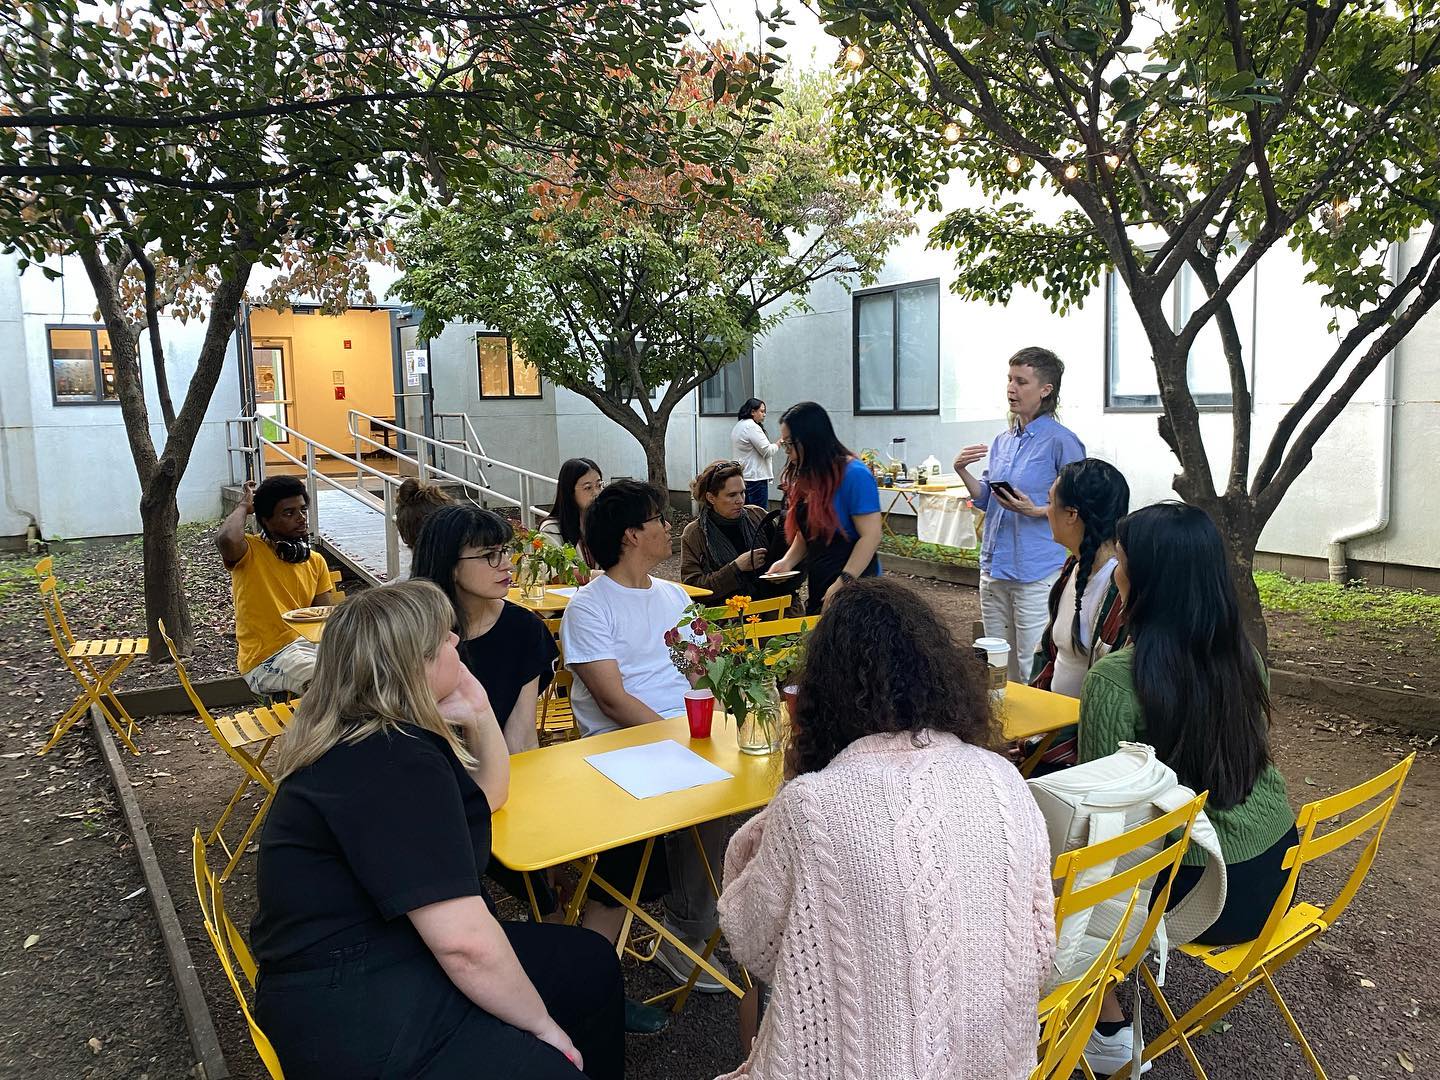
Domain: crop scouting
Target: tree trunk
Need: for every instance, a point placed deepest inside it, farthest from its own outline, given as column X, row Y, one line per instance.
column 1241, row 537
column 164, row 578
column 653, row 440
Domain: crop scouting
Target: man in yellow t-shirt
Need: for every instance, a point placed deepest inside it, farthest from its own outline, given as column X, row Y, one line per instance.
column 271, row 574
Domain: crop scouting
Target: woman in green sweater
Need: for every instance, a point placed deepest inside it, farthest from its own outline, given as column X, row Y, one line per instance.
column 1192, row 685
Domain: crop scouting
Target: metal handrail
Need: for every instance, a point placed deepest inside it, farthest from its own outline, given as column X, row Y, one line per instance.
column 471, row 441
column 482, row 458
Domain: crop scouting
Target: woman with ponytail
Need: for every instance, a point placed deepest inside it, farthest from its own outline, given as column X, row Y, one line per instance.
column 833, row 519
column 1087, row 501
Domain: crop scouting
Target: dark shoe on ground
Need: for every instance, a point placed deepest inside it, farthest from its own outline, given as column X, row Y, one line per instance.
column 642, row 1019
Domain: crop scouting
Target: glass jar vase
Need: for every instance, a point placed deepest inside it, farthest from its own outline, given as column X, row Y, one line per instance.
column 759, row 729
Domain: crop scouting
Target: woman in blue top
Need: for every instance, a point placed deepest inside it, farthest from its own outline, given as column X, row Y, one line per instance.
column 1019, row 559
column 833, row 520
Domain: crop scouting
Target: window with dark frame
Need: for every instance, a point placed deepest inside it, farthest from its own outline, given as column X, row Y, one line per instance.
column 896, row 355
column 1130, row 381
column 82, row 366
column 734, row 384
column 504, row 372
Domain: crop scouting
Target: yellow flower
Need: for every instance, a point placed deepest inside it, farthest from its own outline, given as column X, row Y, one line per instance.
column 752, row 620
column 737, row 650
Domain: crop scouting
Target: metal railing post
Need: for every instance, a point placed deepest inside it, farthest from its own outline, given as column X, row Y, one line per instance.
column 527, row 515
column 310, row 489
column 392, row 536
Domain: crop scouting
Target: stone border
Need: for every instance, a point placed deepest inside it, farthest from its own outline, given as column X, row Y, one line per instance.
column 1407, row 709
column 198, row 1022
column 225, row 693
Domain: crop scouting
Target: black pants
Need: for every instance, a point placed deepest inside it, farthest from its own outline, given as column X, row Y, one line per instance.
column 391, row 1013
column 1252, row 887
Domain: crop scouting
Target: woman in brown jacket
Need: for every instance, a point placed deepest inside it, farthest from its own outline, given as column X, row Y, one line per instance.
column 730, row 544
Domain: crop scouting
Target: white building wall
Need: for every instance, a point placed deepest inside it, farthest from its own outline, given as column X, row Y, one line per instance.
column 19, row 500
column 85, row 482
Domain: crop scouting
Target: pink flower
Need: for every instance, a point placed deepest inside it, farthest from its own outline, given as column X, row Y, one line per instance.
column 698, row 626
column 715, row 639
column 692, row 655
column 672, row 636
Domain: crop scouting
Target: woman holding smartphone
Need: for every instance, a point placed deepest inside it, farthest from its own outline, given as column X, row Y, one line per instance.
column 1019, row 559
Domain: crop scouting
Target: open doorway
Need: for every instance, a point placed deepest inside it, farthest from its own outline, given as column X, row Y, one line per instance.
column 310, row 370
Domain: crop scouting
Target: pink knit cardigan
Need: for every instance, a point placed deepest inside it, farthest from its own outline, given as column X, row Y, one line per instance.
column 899, row 904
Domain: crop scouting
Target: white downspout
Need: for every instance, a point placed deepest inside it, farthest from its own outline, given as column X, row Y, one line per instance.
column 1339, row 558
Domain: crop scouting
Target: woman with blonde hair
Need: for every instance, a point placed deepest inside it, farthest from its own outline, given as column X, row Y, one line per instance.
column 379, row 954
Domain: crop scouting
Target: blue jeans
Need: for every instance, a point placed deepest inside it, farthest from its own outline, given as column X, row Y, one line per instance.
column 757, row 493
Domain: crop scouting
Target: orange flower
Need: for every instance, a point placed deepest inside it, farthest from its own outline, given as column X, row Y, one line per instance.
column 752, row 620
column 537, row 543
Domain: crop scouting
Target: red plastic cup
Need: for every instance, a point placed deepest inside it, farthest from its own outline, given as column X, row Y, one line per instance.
column 699, row 711
column 791, row 694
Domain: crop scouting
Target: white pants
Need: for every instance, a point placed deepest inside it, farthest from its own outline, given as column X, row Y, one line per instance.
column 1017, row 611
column 289, row 671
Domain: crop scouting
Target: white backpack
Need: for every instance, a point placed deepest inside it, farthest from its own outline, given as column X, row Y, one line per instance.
column 1099, row 800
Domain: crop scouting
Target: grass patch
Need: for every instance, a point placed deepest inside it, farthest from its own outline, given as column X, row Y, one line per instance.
column 911, row 548
column 1324, row 602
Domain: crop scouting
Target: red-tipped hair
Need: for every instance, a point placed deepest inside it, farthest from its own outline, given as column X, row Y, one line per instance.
column 818, row 493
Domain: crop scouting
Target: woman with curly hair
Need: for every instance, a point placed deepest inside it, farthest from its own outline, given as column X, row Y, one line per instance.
column 903, row 868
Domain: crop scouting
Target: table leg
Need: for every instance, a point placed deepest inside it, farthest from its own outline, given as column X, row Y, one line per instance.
column 1028, row 765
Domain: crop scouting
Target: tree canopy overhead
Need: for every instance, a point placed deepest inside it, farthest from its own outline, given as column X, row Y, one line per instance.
column 662, row 280
column 1189, row 134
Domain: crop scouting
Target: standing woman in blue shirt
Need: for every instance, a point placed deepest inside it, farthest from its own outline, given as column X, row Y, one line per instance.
column 833, row 519
column 1019, row 559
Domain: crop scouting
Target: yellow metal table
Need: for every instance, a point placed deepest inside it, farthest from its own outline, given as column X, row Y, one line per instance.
column 555, row 600
column 309, row 629
column 1028, row 713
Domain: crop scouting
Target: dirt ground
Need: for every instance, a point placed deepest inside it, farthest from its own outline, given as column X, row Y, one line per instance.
column 1396, row 658
column 1365, row 994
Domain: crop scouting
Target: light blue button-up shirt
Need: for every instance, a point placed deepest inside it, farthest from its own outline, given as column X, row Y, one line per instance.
column 1017, row 547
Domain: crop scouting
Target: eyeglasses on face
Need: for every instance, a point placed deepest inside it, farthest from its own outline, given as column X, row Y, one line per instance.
column 658, row 517
column 496, row 557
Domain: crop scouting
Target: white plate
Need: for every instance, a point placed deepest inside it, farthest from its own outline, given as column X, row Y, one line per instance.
column 309, row 614
column 786, row 576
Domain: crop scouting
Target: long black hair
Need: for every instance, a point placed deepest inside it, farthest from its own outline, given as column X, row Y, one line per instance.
column 566, row 511
column 747, row 411
column 1100, row 497
column 1198, row 677
column 442, row 537
column 881, row 660
column 815, row 474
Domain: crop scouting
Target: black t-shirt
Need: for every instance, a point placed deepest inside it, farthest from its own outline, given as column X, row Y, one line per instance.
column 515, row 650
column 372, row 830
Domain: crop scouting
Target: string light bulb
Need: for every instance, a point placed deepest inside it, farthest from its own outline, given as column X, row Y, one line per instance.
column 1341, row 208
column 1071, row 171
column 854, row 57
column 952, row 133
column 1112, row 161
column 1013, row 164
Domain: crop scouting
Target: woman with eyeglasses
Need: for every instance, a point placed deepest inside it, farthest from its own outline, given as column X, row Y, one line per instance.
column 466, row 551
column 580, row 480
column 728, row 546
column 833, row 520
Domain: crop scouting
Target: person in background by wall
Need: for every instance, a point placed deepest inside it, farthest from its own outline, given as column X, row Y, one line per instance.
column 271, row 574
column 728, row 545
column 414, row 502
column 1192, row 685
column 1019, row 561
column 378, row 951
column 833, row 522
column 1087, row 616
column 754, row 450
column 580, row 480
column 895, row 894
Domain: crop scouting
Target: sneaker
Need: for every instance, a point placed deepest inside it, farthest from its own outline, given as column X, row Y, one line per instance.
column 679, row 966
column 1106, row 1054
column 642, row 1019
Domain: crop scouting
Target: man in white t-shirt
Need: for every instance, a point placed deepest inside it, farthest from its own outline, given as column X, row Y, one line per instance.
column 613, row 638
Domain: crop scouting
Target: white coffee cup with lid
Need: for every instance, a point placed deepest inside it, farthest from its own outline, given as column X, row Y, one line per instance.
column 996, row 653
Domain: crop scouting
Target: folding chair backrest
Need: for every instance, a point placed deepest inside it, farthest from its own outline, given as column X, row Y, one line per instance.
column 772, row 606
column 1072, row 1017
column 1372, row 803
column 779, row 627
column 1085, row 883
column 336, row 593
column 259, row 775
column 230, row 949
column 554, row 715
column 55, row 621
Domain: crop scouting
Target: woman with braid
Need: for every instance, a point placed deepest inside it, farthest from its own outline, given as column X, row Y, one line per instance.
column 1087, row 616
column 729, row 545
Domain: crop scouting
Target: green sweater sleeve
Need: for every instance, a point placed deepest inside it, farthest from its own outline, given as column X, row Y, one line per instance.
column 1109, row 709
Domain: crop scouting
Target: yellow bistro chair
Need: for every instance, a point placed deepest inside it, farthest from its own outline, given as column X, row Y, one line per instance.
column 780, row 627
column 1074, row 1008
column 81, row 656
column 230, row 949
column 337, row 594
column 555, row 719
column 771, row 606
column 245, row 738
column 1291, row 926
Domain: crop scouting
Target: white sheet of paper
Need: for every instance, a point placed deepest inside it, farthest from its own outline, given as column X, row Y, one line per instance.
column 567, row 591
column 656, row 768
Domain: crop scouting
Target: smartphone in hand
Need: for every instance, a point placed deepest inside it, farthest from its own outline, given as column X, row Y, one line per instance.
column 1003, row 486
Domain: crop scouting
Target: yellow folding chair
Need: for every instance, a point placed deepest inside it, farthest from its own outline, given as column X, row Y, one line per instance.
column 780, row 627
column 1074, row 1008
column 245, row 738
column 337, row 594
column 230, row 949
column 81, row 656
column 1290, row 926
column 771, row 606
column 555, row 719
